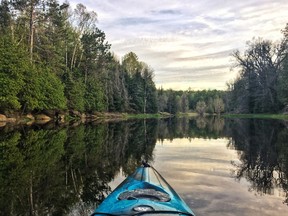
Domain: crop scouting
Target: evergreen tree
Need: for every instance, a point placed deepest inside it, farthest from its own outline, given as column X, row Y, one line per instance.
column 171, row 102
column 74, row 92
column 13, row 64
column 162, row 100
column 149, row 91
column 56, row 58
column 117, row 93
column 94, row 96
column 184, row 103
column 5, row 18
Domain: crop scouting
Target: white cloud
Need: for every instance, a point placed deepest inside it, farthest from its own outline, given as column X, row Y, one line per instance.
column 188, row 42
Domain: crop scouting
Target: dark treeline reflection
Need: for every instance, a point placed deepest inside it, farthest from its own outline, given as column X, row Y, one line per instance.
column 61, row 171
column 67, row 171
column 263, row 152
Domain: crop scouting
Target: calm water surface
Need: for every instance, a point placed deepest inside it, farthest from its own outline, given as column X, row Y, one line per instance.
column 219, row 167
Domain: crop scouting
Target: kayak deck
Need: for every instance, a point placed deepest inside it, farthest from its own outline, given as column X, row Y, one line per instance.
column 145, row 192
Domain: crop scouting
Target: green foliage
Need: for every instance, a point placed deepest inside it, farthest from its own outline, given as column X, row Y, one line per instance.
column 183, row 101
column 53, row 91
column 43, row 90
column 116, row 91
column 210, row 106
column 94, row 96
column 257, row 116
column 136, row 92
column 13, row 64
column 162, row 100
column 5, row 17
column 55, row 58
column 204, row 95
column 151, row 98
column 130, row 63
column 171, row 102
column 32, row 98
column 142, row 94
column 74, row 92
column 201, row 107
column 51, row 46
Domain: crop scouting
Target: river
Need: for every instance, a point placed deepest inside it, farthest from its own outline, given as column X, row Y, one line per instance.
column 218, row 166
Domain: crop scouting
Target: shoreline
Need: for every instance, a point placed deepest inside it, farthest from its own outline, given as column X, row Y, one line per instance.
column 74, row 116
column 280, row 116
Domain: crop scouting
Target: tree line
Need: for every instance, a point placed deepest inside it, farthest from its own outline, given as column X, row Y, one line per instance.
column 261, row 86
column 205, row 101
column 56, row 58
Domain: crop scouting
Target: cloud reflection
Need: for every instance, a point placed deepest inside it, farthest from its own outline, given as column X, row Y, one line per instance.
column 201, row 172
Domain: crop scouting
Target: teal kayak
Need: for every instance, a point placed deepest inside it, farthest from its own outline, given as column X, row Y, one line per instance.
column 145, row 192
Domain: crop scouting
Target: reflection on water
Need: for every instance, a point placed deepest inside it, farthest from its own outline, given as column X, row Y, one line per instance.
column 68, row 170
column 264, row 154
column 59, row 171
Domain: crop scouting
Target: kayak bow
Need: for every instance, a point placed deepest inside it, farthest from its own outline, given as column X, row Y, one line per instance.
column 145, row 192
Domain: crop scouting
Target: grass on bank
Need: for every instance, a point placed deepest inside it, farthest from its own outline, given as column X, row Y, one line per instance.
column 257, row 116
column 193, row 114
column 144, row 116
column 188, row 114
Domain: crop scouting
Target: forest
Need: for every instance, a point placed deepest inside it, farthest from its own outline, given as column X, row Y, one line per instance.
column 54, row 57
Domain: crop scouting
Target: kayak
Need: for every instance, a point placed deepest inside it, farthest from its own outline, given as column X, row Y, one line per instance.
column 145, row 192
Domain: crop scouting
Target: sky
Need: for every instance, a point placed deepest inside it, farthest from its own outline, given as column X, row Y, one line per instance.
column 188, row 43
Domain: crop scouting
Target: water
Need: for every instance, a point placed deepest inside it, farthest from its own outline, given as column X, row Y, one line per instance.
column 219, row 167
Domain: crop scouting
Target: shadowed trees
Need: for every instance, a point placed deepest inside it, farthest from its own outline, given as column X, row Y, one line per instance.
column 261, row 85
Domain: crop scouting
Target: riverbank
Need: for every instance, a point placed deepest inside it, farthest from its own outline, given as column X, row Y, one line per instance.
column 72, row 116
column 143, row 116
column 257, row 116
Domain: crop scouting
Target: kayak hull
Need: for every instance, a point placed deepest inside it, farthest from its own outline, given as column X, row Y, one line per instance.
column 144, row 191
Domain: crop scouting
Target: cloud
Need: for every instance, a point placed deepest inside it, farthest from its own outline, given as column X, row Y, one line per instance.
column 135, row 21
column 166, row 12
column 189, row 41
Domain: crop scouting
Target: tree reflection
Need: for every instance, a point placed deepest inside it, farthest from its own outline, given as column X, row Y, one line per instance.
column 30, row 165
column 263, row 152
column 261, row 144
column 200, row 127
column 60, row 171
